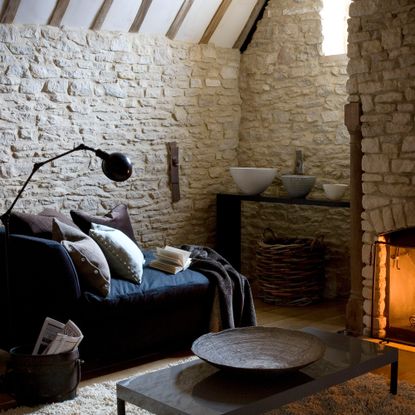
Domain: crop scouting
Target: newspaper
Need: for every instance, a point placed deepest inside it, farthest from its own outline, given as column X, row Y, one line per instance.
column 56, row 337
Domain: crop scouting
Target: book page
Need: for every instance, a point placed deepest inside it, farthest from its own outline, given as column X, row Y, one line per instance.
column 163, row 266
column 175, row 255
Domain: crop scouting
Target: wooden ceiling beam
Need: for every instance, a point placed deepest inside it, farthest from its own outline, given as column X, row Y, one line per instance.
column 217, row 17
column 178, row 20
column 250, row 25
column 58, row 12
column 101, row 15
column 10, row 11
column 140, row 16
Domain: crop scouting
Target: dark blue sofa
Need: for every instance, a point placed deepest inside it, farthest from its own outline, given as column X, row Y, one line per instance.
column 163, row 313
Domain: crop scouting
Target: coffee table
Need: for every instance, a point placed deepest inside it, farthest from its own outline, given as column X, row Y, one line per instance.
column 198, row 388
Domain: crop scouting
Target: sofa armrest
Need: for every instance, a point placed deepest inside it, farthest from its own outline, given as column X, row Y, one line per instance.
column 42, row 279
column 44, row 262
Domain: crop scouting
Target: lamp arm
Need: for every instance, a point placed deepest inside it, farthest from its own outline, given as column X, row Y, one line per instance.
column 36, row 166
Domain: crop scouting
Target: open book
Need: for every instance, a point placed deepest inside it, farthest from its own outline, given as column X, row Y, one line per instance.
column 171, row 260
column 56, row 337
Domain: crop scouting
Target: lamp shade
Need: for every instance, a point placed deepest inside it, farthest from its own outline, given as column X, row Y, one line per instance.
column 117, row 167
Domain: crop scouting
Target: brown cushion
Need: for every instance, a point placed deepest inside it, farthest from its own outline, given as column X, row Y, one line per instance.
column 39, row 225
column 117, row 218
column 89, row 260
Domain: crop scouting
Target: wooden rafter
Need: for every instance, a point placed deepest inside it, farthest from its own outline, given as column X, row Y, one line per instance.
column 101, row 15
column 178, row 20
column 141, row 14
column 250, row 25
column 10, row 11
column 220, row 12
column 58, row 12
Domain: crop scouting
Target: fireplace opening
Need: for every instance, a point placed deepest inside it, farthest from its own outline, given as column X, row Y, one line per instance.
column 394, row 287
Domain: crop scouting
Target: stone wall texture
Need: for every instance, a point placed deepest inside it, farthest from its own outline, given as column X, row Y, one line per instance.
column 118, row 92
column 293, row 99
column 134, row 93
column 382, row 78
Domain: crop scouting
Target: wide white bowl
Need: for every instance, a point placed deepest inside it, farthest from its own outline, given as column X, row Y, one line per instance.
column 252, row 180
column 298, row 185
column 334, row 191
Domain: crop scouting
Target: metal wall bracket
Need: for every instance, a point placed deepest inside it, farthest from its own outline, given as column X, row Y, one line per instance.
column 174, row 171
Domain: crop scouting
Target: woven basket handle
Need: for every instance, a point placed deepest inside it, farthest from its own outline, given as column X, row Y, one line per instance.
column 268, row 236
column 317, row 240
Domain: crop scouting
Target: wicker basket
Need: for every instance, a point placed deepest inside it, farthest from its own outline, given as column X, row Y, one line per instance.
column 290, row 271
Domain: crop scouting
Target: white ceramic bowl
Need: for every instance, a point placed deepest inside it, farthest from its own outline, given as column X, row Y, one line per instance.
column 252, row 180
column 298, row 185
column 334, row 191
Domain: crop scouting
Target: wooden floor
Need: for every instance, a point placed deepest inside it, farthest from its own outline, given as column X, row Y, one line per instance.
column 328, row 316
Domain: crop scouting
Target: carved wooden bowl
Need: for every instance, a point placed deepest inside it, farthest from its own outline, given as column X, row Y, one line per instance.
column 259, row 349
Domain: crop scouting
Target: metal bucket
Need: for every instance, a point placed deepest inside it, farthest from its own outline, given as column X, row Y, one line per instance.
column 36, row 379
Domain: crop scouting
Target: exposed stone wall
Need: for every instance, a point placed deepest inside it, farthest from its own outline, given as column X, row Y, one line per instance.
column 382, row 78
column 293, row 99
column 118, row 92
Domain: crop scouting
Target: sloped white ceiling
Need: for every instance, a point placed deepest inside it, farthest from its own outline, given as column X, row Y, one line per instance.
column 156, row 22
column 81, row 13
column 121, row 15
column 29, row 12
column 197, row 20
column 232, row 23
column 211, row 21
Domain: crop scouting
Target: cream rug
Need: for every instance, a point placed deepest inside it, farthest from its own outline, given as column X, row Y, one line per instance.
column 368, row 394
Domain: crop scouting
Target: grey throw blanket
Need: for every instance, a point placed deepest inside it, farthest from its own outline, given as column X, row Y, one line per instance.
column 236, row 303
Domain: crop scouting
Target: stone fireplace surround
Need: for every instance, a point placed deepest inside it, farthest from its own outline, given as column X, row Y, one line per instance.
column 381, row 46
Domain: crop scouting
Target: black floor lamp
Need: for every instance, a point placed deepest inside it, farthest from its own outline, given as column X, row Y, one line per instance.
column 116, row 166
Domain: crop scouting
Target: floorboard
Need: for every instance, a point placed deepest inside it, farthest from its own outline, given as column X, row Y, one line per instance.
column 327, row 315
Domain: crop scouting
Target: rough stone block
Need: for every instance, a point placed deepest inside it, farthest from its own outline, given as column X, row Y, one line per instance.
column 371, row 145
column 409, row 210
column 389, row 97
column 403, row 166
column 399, row 216
column 392, row 38
column 43, row 71
column 114, row 90
column 375, row 163
column 81, row 88
column 358, row 66
column 212, row 82
column 31, row 86
column 377, row 220
column 360, row 8
column 58, row 86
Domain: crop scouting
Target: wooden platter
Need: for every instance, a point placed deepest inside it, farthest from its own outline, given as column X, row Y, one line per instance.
column 259, row 349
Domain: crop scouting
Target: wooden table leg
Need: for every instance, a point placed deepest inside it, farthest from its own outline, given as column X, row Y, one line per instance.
column 120, row 406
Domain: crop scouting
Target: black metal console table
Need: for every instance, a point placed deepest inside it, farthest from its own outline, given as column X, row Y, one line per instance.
column 228, row 219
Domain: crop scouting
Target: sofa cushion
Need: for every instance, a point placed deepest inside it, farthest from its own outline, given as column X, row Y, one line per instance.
column 39, row 225
column 89, row 260
column 158, row 291
column 123, row 255
column 117, row 218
